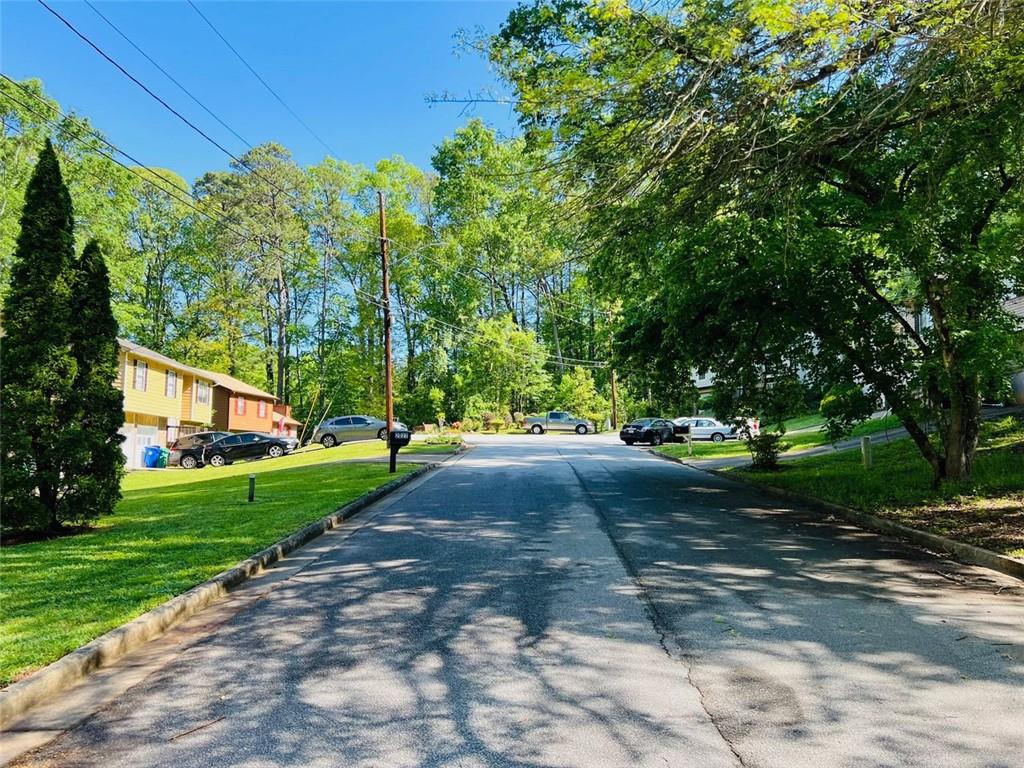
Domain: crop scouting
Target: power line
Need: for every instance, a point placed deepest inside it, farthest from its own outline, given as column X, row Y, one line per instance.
column 167, row 74
column 221, row 220
column 422, row 251
column 266, row 85
column 190, row 203
column 163, row 103
column 548, row 359
column 439, row 243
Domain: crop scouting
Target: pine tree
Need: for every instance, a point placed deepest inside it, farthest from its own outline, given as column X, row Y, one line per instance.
column 96, row 460
column 36, row 364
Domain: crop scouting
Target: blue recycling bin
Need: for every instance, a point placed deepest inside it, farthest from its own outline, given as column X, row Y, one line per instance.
column 150, row 456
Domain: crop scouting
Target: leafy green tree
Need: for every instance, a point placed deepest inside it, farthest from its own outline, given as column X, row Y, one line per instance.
column 93, row 442
column 39, row 369
column 788, row 189
column 577, row 392
column 103, row 192
column 504, row 366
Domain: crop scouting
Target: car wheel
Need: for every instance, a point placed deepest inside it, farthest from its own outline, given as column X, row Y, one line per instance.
column 382, row 433
column 629, row 442
column 581, row 429
column 328, row 441
column 536, row 429
column 718, row 437
column 188, row 462
column 275, row 451
column 656, row 438
column 217, row 460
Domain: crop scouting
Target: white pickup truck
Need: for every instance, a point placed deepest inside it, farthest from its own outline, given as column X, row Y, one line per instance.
column 557, row 421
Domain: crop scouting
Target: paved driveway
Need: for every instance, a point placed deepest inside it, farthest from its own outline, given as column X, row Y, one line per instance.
column 568, row 601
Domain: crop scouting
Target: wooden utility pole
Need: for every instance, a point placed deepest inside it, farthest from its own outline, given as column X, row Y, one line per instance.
column 615, row 394
column 389, row 403
column 615, row 403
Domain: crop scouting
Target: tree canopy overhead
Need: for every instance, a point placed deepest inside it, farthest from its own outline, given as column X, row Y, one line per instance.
column 800, row 189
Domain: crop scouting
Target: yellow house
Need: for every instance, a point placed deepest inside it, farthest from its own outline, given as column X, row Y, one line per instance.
column 163, row 399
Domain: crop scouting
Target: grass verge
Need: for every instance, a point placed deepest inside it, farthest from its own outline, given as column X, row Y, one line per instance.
column 311, row 455
column 164, row 538
column 705, row 449
column 988, row 512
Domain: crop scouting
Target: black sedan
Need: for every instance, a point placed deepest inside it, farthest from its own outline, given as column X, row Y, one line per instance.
column 187, row 451
column 246, row 445
column 652, row 430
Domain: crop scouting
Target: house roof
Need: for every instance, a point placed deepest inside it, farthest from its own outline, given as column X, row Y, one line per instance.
column 149, row 354
column 287, row 419
column 236, row 385
column 218, row 379
column 1015, row 306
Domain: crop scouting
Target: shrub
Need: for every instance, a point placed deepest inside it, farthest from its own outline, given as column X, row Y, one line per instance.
column 765, row 449
column 444, row 438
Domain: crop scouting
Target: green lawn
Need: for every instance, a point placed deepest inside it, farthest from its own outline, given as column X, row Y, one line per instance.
column 705, row 449
column 304, row 457
column 989, row 512
column 171, row 531
column 804, row 421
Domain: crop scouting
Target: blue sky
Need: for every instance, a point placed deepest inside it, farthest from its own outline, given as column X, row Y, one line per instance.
column 356, row 72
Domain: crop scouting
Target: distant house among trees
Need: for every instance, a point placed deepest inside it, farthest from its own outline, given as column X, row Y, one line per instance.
column 165, row 399
column 240, row 407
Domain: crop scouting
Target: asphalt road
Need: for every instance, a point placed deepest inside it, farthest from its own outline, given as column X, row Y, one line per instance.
column 567, row 601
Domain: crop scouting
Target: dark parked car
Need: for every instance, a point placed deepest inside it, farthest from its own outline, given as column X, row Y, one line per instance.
column 653, row 431
column 187, row 451
column 246, row 445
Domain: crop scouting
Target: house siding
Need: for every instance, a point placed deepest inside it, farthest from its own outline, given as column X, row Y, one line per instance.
column 225, row 417
column 151, row 417
column 153, row 400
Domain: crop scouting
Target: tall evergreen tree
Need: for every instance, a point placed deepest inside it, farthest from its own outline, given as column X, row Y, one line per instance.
column 97, row 461
column 36, row 363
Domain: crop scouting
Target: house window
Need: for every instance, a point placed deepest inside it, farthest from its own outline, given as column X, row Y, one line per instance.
column 141, row 373
column 202, row 393
column 240, row 406
column 262, row 408
column 171, row 386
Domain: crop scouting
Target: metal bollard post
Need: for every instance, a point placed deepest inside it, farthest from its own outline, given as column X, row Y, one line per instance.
column 252, row 488
column 865, row 451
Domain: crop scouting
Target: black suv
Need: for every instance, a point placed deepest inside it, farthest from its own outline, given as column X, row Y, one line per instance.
column 187, row 451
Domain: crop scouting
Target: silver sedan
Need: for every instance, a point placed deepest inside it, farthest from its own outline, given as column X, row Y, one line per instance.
column 703, row 428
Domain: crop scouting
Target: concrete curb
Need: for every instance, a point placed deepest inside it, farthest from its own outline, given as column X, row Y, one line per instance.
column 967, row 553
column 54, row 678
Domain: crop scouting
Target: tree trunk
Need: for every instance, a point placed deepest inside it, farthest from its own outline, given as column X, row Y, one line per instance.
column 964, row 425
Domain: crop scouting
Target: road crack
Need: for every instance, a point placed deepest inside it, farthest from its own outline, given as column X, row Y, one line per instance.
column 665, row 638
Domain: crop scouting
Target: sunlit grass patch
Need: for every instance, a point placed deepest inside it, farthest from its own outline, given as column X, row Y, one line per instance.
column 987, row 512
column 166, row 536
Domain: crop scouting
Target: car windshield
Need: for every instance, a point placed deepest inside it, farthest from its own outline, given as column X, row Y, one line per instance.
column 643, row 422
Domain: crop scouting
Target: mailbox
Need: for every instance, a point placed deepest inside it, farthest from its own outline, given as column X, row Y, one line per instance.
column 681, row 429
column 399, row 438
